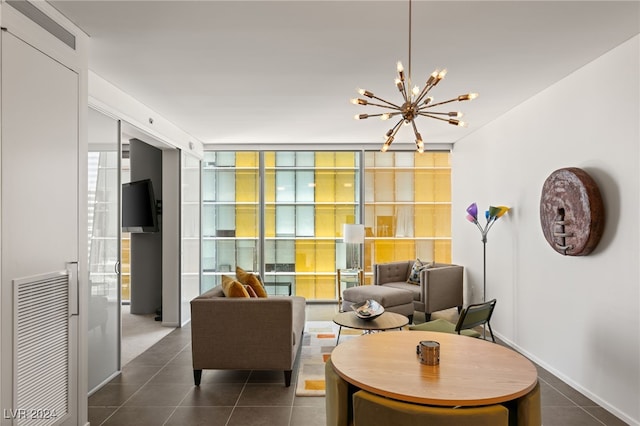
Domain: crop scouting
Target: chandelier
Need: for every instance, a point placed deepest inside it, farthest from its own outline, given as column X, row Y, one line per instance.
column 415, row 103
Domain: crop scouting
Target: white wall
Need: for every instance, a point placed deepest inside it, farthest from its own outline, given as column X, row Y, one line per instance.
column 579, row 317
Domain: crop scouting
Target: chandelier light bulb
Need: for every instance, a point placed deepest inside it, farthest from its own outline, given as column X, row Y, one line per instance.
column 365, row 93
column 419, row 143
column 386, row 145
column 361, row 116
column 456, row 114
column 400, row 70
column 432, row 77
column 385, row 116
column 468, row 97
column 457, row 123
column 415, row 90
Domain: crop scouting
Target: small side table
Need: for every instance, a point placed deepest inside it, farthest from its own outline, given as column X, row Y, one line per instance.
column 386, row 321
column 351, row 278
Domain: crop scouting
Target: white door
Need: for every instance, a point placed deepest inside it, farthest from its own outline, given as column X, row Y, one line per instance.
column 39, row 213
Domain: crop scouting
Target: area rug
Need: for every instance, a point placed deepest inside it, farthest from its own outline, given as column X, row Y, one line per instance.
column 318, row 342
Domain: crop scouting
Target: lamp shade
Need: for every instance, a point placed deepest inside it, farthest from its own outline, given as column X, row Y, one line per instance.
column 353, row 233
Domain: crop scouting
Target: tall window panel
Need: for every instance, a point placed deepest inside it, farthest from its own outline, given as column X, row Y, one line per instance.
column 230, row 214
column 308, row 197
column 190, row 223
column 407, row 207
column 288, row 225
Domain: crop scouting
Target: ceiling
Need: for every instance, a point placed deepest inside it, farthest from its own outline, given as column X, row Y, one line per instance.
column 282, row 72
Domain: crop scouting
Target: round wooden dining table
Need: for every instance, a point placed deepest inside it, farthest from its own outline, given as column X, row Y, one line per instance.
column 471, row 371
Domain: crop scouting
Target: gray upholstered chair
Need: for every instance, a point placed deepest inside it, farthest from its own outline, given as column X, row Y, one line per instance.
column 374, row 410
column 441, row 285
column 338, row 398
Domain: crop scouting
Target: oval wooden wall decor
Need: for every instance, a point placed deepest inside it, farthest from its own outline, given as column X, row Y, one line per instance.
column 571, row 212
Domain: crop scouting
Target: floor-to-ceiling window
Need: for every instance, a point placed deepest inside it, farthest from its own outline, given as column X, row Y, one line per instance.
column 230, row 214
column 190, row 233
column 407, row 207
column 308, row 197
column 281, row 213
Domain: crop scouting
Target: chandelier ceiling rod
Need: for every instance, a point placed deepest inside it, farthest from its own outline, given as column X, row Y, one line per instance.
column 413, row 105
column 409, row 76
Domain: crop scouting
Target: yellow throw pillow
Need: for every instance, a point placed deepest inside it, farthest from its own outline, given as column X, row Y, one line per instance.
column 232, row 288
column 252, row 280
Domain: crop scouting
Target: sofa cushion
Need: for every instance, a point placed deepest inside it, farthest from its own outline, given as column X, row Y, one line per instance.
column 414, row 275
column 233, row 288
column 410, row 287
column 252, row 280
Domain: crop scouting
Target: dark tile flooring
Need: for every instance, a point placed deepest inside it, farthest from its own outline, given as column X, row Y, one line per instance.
column 156, row 388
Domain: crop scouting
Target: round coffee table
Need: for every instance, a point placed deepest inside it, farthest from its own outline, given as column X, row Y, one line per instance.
column 386, row 321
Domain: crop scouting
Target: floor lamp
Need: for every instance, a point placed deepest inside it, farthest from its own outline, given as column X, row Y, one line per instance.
column 353, row 236
column 491, row 215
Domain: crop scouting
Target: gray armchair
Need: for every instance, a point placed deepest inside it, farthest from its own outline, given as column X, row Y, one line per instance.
column 441, row 286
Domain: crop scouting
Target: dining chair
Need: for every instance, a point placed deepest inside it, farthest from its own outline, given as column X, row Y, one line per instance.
column 375, row 410
column 472, row 316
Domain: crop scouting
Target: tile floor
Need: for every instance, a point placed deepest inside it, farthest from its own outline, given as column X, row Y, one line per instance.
column 156, row 388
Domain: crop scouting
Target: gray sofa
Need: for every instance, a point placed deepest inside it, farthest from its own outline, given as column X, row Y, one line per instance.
column 245, row 333
column 441, row 286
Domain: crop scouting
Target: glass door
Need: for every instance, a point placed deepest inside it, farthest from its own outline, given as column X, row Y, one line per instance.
column 104, row 248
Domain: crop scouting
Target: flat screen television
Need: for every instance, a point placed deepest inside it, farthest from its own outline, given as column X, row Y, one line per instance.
column 139, row 209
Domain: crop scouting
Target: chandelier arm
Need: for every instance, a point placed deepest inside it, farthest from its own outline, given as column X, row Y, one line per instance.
column 391, row 106
column 432, row 116
column 378, row 115
column 424, row 92
column 440, row 103
column 403, row 90
column 386, row 102
column 416, row 133
column 437, row 113
column 396, row 127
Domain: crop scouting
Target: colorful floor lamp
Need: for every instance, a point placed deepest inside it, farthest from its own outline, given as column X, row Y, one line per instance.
column 491, row 215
